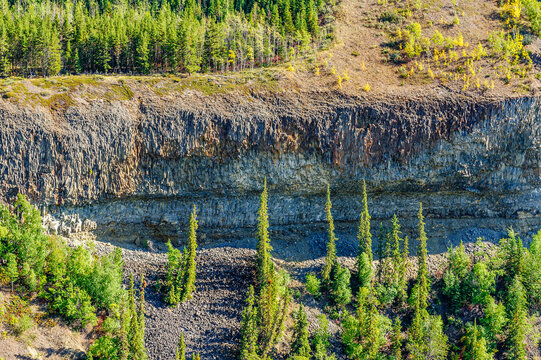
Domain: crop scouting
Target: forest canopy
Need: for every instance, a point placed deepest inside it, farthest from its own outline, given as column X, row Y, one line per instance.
column 44, row 38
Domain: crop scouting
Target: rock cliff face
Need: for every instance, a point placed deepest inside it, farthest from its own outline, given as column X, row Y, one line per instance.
column 136, row 167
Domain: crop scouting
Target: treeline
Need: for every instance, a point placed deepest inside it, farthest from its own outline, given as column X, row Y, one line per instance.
column 43, row 38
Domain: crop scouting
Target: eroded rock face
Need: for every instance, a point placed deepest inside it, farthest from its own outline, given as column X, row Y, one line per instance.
column 136, row 167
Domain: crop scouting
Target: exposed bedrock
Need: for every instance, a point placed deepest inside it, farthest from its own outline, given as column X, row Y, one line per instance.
column 136, row 167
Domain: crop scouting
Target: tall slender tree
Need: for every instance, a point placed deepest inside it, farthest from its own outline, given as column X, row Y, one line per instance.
column 518, row 320
column 330, row 259
column 181, row 348
column 263, row 241
column 188, row 287
column 364, row 237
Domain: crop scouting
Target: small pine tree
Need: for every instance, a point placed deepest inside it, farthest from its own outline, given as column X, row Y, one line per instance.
column 320, row 340
column 396, row 340
column 330, row 259
column 493, row 322
column 341, row 291
column 12, row 271
column 475, row 345
column 301, row 343
column 181, row 349
column 174, row 275
column 248, row 328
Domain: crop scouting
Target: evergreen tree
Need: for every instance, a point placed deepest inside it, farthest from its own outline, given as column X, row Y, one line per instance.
column 330, row 259
column 320, row 339
column 141, row 54
column 341, row 291
column 174, row 275
column 422, row 287
column 12, row 271
column 263, row 244
column 493, row 323
column 382, row 245
column 364, row 257
column 248, row 328
column 518, row 320
column 301, row 343
column 123, row 331
column 396, row 340
column 181, row 349
column 138, row 350
column 475, row 346
column 188, row 286
column 4, row 51
column 211, row 47
column 402, row 279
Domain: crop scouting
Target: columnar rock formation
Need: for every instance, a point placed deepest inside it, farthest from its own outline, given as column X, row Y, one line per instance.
column 136, row 166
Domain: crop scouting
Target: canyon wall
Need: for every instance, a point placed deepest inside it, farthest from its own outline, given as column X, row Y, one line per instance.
column 136, row 167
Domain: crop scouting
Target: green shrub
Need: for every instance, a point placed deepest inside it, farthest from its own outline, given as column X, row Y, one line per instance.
column 23, row 324
column 313, row 285
column 341, row 291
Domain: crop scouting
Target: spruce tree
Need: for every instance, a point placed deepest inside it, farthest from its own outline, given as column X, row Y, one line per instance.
column 188, row 285
column 141, row 53
column 518, row 320
column 248, row 328
column 320, row 339
column 181, row 349
column 475, row 345
column 422, row 286
column 493, row 322
column 396, row 339
column 416, row 344
column 330, row 259
column 174, row 275
column 301, row 343
column 396, row 254
column 123, row 331
column 263, row 241
column 382, row 244
column 402, row 279
column 364, row 257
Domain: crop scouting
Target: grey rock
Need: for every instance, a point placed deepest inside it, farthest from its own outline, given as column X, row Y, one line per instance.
column 135, row 169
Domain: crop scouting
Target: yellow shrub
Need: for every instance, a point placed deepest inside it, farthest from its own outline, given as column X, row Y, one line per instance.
column 367, row 87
